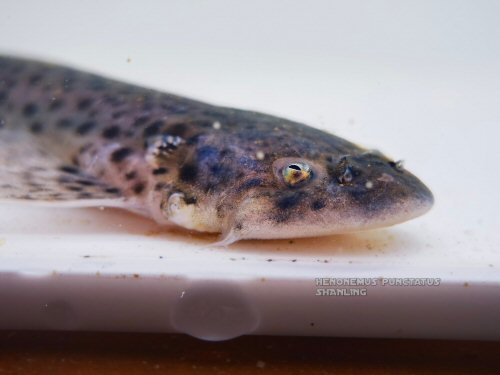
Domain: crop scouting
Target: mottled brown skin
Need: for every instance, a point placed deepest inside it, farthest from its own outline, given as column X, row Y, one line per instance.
column 94, row 138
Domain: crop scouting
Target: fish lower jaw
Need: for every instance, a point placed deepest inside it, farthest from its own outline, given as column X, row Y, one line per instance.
column 353, row 225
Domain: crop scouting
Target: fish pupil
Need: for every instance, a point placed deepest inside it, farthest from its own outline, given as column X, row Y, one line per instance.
column 296, row 173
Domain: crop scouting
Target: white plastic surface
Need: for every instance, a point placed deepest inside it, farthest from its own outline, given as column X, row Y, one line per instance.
column 419, row 81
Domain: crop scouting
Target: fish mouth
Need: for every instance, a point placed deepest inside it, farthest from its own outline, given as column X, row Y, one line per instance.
column 353, row 219
column 401, row 211
column 403, row 199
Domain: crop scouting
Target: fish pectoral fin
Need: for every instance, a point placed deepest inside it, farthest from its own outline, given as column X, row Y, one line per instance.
column 230, row 234
column 30, row 173
column 226, row 240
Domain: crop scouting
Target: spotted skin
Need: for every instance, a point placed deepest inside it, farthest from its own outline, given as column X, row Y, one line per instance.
column 70, row 136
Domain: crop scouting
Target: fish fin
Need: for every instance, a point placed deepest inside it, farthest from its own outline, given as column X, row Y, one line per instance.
column 227, row 238
column 29, row 172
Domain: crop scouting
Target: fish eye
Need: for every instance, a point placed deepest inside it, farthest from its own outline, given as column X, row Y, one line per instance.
column 295, row 173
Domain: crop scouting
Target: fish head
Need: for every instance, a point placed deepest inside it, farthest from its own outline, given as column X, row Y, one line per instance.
column 301, row 197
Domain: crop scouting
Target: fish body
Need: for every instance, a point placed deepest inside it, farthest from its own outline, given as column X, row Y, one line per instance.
column 78, row 138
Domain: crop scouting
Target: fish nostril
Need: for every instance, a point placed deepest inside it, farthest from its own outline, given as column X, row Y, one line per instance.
column 398, row 165
column 346, row 176
column 342, row 172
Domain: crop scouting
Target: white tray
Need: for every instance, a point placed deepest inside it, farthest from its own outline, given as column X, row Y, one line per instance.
column 109, row 270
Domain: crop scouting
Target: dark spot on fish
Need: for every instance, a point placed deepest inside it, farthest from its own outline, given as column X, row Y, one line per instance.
column 152, row 129
column 85, row 128
column 74, row 188
column 194, row 139
column 85, row 182
column 248, row 163
column 225, row 152
column 8, row 83
column 75, row 160
column 55, row 105
column 141, row 121
column 318, row 205
column 207, row 154
column 161, row 170
column 160, row 185
column 190, row 200
column 114, row 101
column 111, row 132
column 254, row 182
column 290, row 200
column 131, row 175
column 178, row 129
column 138, row 188
column 219, row 170
column 120, row 154
column 64, row 179
column 112, row 190
column 238, row 226
column 34, row 79
column 84, row 104
column 36, row 127
column 188, row 172
column 64, row 123
column 3, row 96
column 219, row 174
column 30, row 109
column 69, row 169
